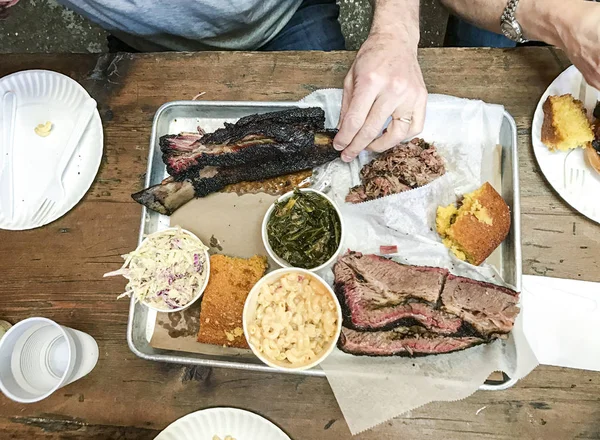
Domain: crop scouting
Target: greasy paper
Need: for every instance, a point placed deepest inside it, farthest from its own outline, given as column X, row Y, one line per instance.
column 372, row 390
column 228, row 224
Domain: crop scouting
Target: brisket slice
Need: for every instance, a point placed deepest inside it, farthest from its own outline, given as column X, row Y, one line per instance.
column 402, row 341
column 393, row 282
column 371, row 300
column 489, row 308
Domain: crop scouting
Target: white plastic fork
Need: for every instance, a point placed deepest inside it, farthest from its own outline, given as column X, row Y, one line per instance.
column 574, row 172
column 55, row 190
column 575, row 179
column 9, row 116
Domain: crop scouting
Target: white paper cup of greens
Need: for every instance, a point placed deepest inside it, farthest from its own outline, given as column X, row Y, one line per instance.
column 308, row 233
column 168, row 271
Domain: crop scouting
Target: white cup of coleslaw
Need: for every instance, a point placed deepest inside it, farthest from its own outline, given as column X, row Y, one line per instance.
column 202, row 287
column 251, row 306
column 280, row 261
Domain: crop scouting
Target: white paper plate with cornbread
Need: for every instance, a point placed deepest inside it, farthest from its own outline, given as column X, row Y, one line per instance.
column 562, row 138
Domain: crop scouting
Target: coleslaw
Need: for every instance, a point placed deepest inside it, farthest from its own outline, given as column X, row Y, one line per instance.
column 167, row 271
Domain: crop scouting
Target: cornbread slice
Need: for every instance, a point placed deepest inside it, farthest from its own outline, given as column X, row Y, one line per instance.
column 223, row 300
column 477, row 227
column 566, row 125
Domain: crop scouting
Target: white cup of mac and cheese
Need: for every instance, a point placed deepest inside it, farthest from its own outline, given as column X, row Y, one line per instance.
column 292, row 319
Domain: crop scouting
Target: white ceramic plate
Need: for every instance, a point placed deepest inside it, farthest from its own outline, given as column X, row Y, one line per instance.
column 48, row 96
column 204, row 424
column 556, row 165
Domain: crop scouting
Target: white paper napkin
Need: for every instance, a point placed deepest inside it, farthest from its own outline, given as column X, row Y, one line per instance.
column 562, row 321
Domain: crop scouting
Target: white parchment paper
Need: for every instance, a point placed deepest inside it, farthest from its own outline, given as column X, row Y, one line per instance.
column 372, row 390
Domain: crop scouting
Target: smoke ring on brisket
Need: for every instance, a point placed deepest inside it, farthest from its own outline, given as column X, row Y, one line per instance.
column 395, row 309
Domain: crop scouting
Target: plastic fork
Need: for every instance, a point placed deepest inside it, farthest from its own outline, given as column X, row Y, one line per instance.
column 9, row 116
column 574, row 173
column 55, row 190
column 575, row 179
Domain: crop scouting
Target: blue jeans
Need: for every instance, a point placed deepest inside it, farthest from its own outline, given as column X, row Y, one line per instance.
column 462, row 34
column 314, row 26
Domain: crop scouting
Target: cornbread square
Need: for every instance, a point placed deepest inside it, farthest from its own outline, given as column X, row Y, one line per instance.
column 231, row 279
column 566, row 125
column 473, row 231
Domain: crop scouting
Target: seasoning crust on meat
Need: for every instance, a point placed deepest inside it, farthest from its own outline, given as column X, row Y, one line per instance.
column 255, row 148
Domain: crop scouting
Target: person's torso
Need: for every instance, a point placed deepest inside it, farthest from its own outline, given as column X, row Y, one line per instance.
column 189, row 24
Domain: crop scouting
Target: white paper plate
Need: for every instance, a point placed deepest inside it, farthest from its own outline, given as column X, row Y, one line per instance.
column 48, row 96
column 555, row 165
column 240, row 424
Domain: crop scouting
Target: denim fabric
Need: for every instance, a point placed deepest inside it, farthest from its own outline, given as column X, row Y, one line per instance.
column 314, row 26
column 462, row 34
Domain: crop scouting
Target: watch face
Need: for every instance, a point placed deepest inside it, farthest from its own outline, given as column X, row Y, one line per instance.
column 509, row 31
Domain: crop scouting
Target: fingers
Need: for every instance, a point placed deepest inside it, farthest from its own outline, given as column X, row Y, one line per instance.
column 368, row 101
column 346, row 96
column 360, row 104
column 396, row 132
column 380, row 112
column 418, row 119
column 592, row 78
column 399, row 130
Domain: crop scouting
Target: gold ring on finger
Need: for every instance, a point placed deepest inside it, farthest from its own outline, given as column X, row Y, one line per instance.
column 405, row 119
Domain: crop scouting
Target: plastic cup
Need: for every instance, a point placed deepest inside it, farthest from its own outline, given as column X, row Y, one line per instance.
column 39, row 356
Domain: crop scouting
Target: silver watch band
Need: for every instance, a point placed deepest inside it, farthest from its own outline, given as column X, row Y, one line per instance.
column 508, row 19
column 509, row 11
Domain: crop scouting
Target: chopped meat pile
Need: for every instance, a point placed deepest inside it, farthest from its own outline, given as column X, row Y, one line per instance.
column 402, row 168
column 395, row 309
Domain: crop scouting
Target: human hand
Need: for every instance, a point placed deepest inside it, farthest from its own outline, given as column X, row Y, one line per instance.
column 384, row 80
column 579, row 36
column 4, row 5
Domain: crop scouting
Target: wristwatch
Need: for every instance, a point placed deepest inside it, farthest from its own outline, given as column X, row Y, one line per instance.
column 509, row 24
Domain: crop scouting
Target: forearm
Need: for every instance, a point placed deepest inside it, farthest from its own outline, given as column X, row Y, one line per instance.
column 541, row 20
column 397, row 18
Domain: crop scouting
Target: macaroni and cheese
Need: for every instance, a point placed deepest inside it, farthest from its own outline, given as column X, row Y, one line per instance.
column 295, row 321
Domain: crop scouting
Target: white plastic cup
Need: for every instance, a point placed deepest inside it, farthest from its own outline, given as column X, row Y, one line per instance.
column 39, row 356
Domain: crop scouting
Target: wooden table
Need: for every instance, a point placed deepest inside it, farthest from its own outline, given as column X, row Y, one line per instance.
column 56, row 271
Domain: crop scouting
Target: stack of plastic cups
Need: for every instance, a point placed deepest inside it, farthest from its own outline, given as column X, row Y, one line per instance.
column 39, row 356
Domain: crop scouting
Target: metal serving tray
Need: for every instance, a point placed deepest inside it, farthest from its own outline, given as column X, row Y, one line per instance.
column 177, row 116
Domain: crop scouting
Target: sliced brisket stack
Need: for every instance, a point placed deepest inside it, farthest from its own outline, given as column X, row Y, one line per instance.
column 378, row 293
column 395, row 309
